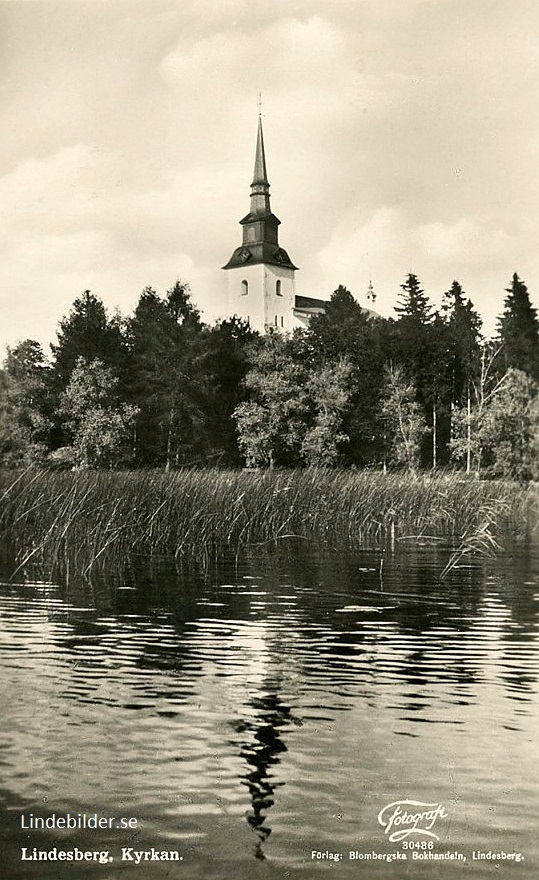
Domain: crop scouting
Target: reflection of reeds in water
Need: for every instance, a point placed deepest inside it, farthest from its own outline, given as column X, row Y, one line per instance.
column 88, row 518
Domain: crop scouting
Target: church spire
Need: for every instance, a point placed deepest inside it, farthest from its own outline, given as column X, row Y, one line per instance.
column 260, row 175
column 260, row 226
column 260, row 197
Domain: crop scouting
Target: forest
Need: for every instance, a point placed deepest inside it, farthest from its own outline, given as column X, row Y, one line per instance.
column 162, row 389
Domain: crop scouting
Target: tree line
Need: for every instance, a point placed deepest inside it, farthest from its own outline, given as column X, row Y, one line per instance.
column 161, row 388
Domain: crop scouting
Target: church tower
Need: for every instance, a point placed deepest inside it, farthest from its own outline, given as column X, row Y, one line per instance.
column 260, row 274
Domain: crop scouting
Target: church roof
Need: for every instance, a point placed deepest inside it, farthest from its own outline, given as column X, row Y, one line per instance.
column 309, row 303
column 260, row 252
column 269, row 219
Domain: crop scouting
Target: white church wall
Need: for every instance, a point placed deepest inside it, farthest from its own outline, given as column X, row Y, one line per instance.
column 263, row 295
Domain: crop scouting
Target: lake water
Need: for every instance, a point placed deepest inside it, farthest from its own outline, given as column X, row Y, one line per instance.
column 251, row 715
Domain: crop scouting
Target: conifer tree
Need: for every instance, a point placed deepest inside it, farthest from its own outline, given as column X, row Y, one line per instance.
column 418, row 346
column 464, row 362
column 518, row 329
column 89, row 333
column 414, row 304
column 165, row 380
column 464, row 326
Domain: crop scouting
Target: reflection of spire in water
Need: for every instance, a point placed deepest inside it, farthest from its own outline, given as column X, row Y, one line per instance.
column 252, row 644
column 263, row 718
column 261, row 754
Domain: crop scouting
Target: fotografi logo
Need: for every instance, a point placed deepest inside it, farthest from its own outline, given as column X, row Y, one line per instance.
column 403, row 818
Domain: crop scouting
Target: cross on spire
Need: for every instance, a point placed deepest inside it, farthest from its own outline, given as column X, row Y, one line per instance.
column 260, row 103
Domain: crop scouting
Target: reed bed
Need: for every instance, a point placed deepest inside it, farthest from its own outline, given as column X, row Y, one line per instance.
column 93, row 518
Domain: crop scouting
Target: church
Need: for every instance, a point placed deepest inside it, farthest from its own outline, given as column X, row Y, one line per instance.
column 260, row 276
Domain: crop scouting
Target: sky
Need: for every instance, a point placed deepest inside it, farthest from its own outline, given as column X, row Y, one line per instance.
column 401, row 136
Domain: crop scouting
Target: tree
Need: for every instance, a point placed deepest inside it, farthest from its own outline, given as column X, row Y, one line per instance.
column 518, row 330
column 346, row 332
column 342, row 312
column 464, row 353
column 534, row 417
column 414, row 305
column 296, row 411
column 87, row 332
column 509, row 427
column 178, row 300
column 166, row 378
column 330, row 393
column 419, row 344
column 468, row 439
column 225, row 364
column 500, row 433
column 25, row 405
column 272, row 424
column 100, row 423
column 464, row 325
column 436, row 385
column 404, row 420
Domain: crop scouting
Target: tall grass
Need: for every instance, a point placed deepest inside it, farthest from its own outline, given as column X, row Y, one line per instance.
column 93, row 517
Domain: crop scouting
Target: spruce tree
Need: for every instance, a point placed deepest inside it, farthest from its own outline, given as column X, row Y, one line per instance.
column 464, row 326
column 518, row 330
column 89, row 333
column 414, row 304
column 166, row 380
column 418, row 346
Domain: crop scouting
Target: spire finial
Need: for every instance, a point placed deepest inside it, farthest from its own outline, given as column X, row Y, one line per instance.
column 260, row 104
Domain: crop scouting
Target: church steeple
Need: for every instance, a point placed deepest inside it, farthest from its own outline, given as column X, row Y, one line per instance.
column 260, row 198
column 260, row 175
column 260, row 286
column 260, row 227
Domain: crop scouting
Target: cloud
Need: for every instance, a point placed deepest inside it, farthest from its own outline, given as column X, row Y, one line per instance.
column 46, row 273
column 50, row 194
column 66, row 227
column 389, row 245
column 400, row 137
column 304, row 67
column 465, row 242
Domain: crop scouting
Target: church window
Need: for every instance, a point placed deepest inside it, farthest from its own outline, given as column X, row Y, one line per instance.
column 244, row 288
column 278, row 288
column 282, row 321
column 276, row 320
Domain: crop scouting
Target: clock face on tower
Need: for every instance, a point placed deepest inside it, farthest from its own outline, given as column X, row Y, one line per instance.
column 279, row 256
column 245, row 255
